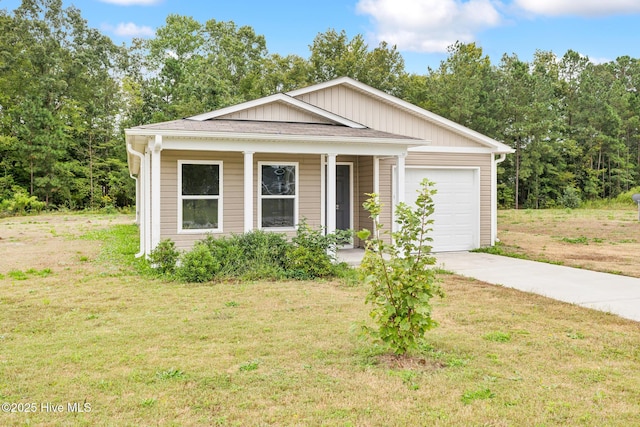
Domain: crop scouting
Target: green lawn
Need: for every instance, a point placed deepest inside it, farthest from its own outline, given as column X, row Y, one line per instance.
column 143, row 352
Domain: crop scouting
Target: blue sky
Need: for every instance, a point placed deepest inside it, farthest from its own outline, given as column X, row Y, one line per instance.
column 422, row 29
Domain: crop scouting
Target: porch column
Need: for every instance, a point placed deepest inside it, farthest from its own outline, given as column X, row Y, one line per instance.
column 156, row 148
column 248, row 191
column 331, row 193
column 400, row 179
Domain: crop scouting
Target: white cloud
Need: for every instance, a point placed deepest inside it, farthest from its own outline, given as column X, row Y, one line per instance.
column 129, row 29
column 429, row 25
column 133, row 2
column 580, row 8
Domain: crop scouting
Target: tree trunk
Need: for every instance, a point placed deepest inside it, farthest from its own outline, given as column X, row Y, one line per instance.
column 517, row 195
column 90, row 171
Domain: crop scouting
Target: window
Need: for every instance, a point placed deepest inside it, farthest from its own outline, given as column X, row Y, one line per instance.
column 199, row 196
column 278, row 197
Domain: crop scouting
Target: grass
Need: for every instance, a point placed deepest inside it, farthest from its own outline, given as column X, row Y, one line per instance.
column 145, row 352
column 595, row 239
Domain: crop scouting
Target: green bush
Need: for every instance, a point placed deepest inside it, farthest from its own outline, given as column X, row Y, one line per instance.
column 21, row 203
column 256, row 255
column 164, row 257
column 304, row 263
column 263, row 255
column 571, row 198
column 626, row 197
column 312, row 253
column 198, row 265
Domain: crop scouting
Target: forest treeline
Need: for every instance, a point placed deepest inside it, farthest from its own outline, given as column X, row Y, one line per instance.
column 67, row 93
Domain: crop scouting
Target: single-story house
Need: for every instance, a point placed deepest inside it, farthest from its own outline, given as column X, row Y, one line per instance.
column 312, row 154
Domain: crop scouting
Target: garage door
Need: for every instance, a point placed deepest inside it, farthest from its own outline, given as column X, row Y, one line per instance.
column 456, row 217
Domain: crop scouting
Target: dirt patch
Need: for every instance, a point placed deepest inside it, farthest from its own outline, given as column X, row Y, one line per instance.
column 415, row 363
column 51, row 241
column 600, row 240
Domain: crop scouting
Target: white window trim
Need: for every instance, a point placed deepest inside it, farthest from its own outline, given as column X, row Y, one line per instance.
column 295, row 197
column 218, row 197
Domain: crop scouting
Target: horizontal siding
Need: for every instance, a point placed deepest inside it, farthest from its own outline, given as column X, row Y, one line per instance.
column 232, row 194
column 276, row 112
column 380, row 115
column 483, row 161
column 233, row 191
column 309, row 182
column 364, row 183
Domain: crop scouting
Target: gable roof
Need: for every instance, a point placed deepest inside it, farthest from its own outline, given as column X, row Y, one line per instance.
column 482, row 139
column 252, row 129
column 283, row 98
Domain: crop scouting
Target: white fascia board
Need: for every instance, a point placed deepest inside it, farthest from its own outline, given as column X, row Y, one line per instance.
column 279, row 97
column 452, row 150
column 190, row 134
column 364, row 147
column 497, row 147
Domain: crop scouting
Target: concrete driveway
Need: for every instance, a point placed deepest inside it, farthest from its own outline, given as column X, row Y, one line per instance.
column 601, row 291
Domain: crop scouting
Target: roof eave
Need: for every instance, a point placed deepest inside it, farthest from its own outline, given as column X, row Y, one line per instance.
column 238, row 136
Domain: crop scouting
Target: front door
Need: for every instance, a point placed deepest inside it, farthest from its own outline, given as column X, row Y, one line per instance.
column 343, row 209
column 343, row 197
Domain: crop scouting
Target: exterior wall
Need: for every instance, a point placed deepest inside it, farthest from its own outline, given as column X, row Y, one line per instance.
column 276, row 112
column 232, row 194
column 364, row 182
column 309, row 183
column 380, row 115
column 309, row 200
column 483, row 161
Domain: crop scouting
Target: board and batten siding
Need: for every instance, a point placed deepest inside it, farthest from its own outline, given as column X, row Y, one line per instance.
column 276, row 112
column 233, row 191
column 383, row 116
column 442, row 160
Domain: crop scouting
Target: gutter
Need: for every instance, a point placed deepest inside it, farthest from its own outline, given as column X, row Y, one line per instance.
column 133, row 152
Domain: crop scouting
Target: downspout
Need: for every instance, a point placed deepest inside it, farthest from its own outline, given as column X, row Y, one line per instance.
column 133, row 152
column 494, row 197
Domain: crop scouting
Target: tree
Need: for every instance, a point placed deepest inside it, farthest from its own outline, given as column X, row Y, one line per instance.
column 400, row 274
column 463, row 89
column 333, row 55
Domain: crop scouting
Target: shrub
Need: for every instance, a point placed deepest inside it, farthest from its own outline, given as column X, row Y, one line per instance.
column 304, row 263
column 401, row 280
column 255, row 255
column 627, row 196
column 571, row 198
column 21, row 203
column 164, row 257
column 312, row 254
column 263, row 255
column 198, row 265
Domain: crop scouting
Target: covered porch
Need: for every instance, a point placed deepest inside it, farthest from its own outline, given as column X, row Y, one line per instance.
column 348, row 160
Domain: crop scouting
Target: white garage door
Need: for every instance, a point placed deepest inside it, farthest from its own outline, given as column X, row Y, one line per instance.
column 456, row 218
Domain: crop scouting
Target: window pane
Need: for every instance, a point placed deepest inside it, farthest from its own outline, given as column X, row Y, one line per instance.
column 199, row 214
column 278, row 180
column 200, row 180
column 278, row 213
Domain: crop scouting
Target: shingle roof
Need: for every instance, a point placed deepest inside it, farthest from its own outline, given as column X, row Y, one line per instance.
column 271, row 128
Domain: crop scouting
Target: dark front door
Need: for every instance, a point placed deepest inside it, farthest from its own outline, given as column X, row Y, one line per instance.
column 343, row 197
